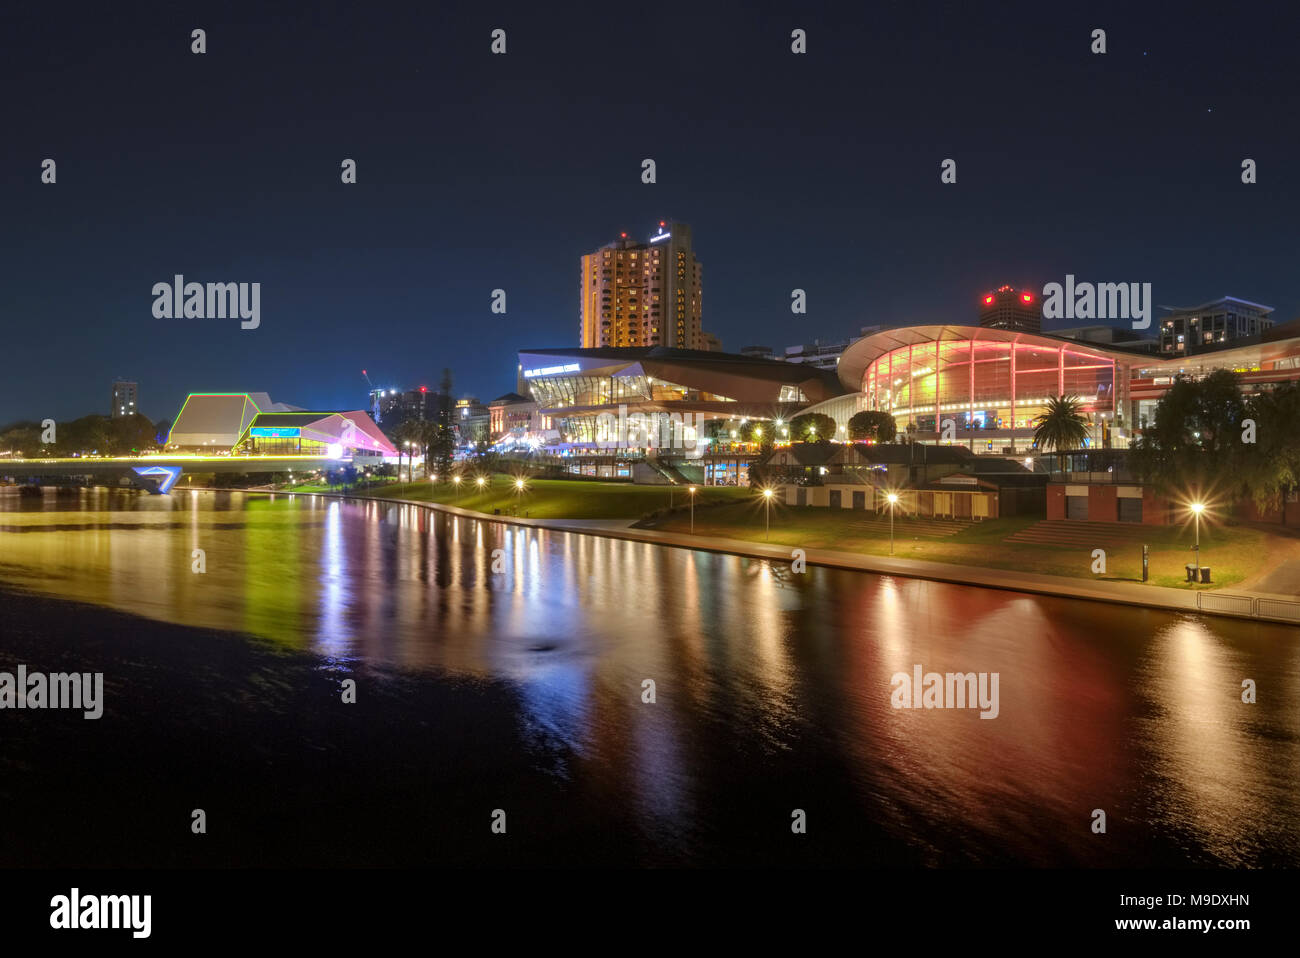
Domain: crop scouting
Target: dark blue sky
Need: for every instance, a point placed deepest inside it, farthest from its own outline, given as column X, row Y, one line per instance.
column 478, row 171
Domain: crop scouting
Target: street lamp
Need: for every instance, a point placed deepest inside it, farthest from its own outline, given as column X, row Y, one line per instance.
column 893, row 501
column 480, row 481
column 1197, row 508
column 456, row 482
column 692, row 490
column 767, row 514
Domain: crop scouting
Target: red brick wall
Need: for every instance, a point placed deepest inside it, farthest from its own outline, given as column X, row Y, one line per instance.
column 1155, row 510
column 1055, row 501
column 1103, row 505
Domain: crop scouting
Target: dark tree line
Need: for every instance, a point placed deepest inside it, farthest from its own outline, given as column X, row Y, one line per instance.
column 1209, row 439
column 100, row 435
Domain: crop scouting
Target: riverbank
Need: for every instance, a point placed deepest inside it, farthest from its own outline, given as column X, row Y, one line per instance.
column 1115, row 587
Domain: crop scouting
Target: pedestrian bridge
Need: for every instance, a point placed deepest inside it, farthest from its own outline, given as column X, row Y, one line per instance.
column 155, row 474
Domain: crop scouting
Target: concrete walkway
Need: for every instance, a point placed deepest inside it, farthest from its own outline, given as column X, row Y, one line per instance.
column 1100, row 590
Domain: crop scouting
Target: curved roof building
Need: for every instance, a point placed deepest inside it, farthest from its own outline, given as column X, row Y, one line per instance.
column 986, row 386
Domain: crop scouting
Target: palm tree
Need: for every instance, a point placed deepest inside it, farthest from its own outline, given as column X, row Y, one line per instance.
column 406, row 431
column 426, row 433
column 1061, row 427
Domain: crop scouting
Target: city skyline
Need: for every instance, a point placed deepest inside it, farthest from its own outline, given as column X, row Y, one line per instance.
column 910, row 480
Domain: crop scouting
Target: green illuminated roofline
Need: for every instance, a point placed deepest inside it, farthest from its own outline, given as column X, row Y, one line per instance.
column 248, row 400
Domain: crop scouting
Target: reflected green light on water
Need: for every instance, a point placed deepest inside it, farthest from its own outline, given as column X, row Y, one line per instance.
column 763, row 675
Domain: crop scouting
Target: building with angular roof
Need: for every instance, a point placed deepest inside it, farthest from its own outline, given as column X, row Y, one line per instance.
column 313, row 433
column 215, row 421
column 249, row 423
column 574, row 387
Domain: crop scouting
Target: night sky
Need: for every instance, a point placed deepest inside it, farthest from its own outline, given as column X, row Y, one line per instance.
column 478, row 171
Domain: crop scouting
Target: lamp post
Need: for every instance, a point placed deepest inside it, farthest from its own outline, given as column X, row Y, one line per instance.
column 455, row 481
column 893, row 500
column 692, row 489
column 1197, row 508
column 767, row 514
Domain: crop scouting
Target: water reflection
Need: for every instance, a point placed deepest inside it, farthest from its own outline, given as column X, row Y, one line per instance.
column 772, row 688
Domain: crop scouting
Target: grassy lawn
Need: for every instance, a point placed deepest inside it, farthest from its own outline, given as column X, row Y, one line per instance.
column 1232, row 552
column 325, row 487
column 561, row 498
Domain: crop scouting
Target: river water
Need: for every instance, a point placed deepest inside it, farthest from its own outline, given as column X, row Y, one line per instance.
column 519, row 696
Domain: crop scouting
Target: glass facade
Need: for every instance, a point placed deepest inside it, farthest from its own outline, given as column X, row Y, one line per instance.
column 985, row 385
column 561, row 392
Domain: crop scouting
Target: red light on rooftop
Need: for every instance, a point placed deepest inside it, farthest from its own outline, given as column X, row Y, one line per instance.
column 424, row 389
column 662, row 223
column 1027, row 298
column 623, row 235
column 988, row 299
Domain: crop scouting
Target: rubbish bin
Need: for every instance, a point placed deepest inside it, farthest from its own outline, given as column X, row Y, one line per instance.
column 1191, row 572
column 1205, row 573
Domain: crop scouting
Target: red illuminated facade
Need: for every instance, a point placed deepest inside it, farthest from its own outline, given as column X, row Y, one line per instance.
column 989, row 384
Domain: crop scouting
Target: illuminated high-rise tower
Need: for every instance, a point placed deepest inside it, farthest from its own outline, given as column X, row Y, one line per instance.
column 644, row 294
column 1009, row 308
column 125, row 398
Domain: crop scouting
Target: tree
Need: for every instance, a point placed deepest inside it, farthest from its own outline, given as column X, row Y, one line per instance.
column 812, row 427
column 754, row 430
column 134, row 433
column 424, row 436
column 716, row 429
column 761, row 431
column 1061, row 427
column 407, row 431
column 21, row 439
column 1193, row 444
column 1270, row 466
column 873, row 424
column 443, row 446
